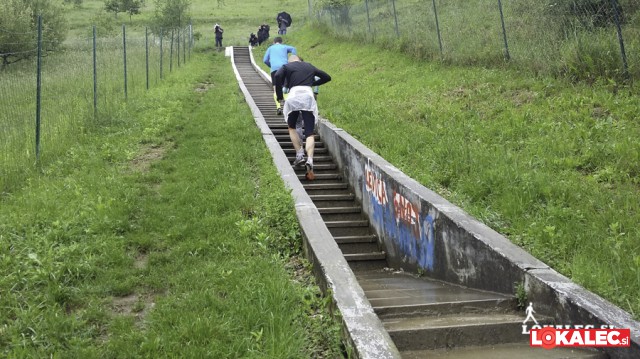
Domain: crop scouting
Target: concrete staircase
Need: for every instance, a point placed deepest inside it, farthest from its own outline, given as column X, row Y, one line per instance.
column 424, row 317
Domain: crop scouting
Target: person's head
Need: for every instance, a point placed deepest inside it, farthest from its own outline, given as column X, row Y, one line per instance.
column 294, row 58
column 277, row 40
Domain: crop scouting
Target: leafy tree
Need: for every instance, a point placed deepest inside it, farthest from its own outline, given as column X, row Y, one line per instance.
column 171, row 14
column 19, row 24
column 132, row 7
column 114, row 6
column 105, row 25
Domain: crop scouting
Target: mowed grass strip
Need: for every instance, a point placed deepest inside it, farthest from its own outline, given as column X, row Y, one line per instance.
column 167, row 233
column 552, row 165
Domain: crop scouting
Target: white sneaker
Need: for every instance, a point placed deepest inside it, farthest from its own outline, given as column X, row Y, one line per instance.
column 298, row 161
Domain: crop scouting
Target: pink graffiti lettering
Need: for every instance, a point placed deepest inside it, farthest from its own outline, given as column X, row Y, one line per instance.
column 376, row 186
column 405, row 211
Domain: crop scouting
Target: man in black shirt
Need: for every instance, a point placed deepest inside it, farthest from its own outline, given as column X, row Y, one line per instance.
column 300, row 77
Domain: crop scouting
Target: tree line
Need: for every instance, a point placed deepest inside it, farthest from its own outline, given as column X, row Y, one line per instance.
column 19, row 23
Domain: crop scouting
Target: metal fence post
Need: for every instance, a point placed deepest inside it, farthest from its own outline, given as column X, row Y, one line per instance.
column 161, row 53
column 366, row 6
column 146, row 45
column 623, row 54
column 171, row 53
column 435, row 12
column 95, row 74
column 178, row 50
column 38, row 88
column 124, row 54
column 395, row 17
column 504, row 33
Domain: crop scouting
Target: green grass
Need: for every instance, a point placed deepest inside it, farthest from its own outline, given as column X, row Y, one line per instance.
column 551, row 164
column 541, row 39
column 67, row 107
column 157, row 235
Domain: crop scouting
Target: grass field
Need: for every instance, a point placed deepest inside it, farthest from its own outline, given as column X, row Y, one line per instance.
column 541, row 38
column 157, row 235
column 147, row 231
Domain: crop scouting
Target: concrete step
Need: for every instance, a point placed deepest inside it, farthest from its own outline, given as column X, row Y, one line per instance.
column 292, row 152
column 286, row 137
column 371, row 264
column 504, row 351
column 359, row 248
column 369, row 238
column 414, row 304
column 326, row 186
column 285, row 144
column 363, row 257
column 335, row 217
column 320, row 176
column 326, row 166
column 316, row 159
column 350, row 231
column 455, row 330
column 340, row 210
column 396, row 294
column 333, row 197
column 348, row 224
column 278, row 125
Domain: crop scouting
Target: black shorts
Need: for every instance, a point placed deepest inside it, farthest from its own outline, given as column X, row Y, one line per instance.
column 307, row 117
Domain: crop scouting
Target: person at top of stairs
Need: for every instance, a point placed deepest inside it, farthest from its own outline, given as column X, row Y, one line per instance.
column 301, row 77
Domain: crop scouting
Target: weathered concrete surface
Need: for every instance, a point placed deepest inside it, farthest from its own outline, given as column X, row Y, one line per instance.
column 505, row 351
column 421, row 231
column 362, row 327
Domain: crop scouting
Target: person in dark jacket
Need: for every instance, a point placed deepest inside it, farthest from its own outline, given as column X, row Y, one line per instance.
column 284, row 21
column 263, row 33
column 217, row 29
column 253, row 40
column 301, row 77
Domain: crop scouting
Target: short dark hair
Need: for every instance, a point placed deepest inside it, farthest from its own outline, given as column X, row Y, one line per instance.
column 277, row 39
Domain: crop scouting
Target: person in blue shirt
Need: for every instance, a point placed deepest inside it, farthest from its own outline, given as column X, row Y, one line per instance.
column 276, row 56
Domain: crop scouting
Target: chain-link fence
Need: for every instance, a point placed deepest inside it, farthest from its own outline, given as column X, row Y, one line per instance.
column 49, row 98
column 580, row 39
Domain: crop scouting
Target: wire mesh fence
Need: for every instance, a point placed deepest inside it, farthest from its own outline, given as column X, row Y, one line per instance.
column 46, row 101
column 580, row 39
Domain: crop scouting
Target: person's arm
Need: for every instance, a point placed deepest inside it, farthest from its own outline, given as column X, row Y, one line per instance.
column 279, row 77
column 292, row 50
column 266, row 59
column 322, row 78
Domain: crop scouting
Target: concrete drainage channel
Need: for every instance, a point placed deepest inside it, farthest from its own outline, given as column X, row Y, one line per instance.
column 390, row 313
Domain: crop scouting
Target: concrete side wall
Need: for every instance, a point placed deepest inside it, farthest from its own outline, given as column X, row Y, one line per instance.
column 362, row 327
column 424, row 233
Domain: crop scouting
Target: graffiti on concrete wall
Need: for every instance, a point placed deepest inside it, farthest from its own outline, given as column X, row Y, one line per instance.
column 376, row 187
column 402, row 221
